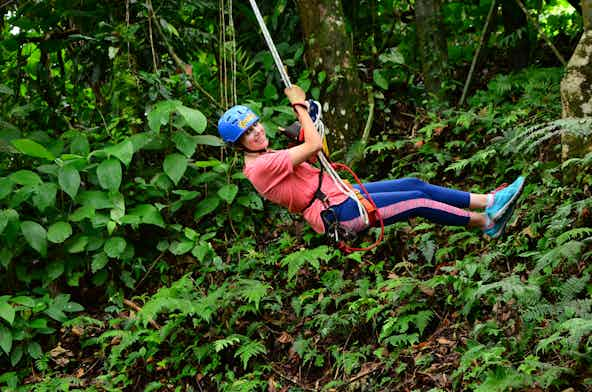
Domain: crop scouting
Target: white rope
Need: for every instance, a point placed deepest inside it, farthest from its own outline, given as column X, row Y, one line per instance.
column 272, row 49
column 337, row 179
column 319, row 124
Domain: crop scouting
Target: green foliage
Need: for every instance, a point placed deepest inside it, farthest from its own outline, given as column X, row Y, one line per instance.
column 129, row 238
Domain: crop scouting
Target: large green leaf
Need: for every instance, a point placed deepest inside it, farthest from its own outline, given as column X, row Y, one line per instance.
column 380, row 80
column 16, row 355
column 7, row 312
column 6, row 186
column 252, row 201
column 160, row 114
column 80, row 145
column 228, row 192
column 109, row 174
column 5, row 339
column 123, row 151
column 148, row 214
column 31, row 148
column 5, row 257
column 34, row 350
column 11, row 225
column 4, row 217
column 206, row 206
column 95, row 199
column 35, row 235
column 209, row 140
column 174, row 166
column 45, row 196
column 185, row 143
column 77, row 244
column 142, row 139
column 114, row 246
column 179, row 248
column 99, row 261
column 25, row 177
column 53, row 271
column 82, row 213
column 69, row 180
column 194, row 118
column 59, row 232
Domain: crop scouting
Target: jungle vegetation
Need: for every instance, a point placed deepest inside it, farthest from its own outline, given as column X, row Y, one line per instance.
column 135, row 255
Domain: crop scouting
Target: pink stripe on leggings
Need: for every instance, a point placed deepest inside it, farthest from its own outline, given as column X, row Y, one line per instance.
column 357, row 224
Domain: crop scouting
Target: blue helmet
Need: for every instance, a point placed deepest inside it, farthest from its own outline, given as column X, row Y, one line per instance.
column 235, row 121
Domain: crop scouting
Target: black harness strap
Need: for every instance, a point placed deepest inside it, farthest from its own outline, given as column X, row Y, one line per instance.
column 318, row 193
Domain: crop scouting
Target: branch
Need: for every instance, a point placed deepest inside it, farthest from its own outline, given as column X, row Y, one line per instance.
column 6, row 3
column 150, row 15
column 477, row 52
column 135, row 307
column 361, row 375
column 290, row 379
column 180, row 63
column 53, row 35
column 370, row 119
column 149, row 270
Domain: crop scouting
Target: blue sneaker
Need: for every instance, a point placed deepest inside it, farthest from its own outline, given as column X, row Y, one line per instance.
column 498, row 226
column 503, row 199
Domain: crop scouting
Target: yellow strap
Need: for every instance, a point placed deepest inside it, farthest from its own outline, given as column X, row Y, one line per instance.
column 326, row 147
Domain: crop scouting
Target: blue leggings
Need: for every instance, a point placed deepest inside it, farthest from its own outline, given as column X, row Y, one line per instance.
column 405, row 198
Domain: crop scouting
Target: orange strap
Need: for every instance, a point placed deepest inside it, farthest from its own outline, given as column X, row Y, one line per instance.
column 369, row 207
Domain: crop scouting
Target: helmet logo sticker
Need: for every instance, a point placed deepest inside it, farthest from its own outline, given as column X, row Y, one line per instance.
column 243, row 123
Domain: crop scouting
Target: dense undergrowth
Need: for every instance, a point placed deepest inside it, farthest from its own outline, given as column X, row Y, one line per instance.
column 438, row 307
column 134, row 254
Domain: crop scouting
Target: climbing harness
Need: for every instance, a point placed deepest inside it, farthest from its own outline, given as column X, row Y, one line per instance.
column 336, row 232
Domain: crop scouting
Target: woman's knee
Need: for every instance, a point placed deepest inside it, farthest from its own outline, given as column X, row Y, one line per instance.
column 414, row 182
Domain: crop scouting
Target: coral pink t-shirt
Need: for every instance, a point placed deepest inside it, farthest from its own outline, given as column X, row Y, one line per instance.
column 275, row 177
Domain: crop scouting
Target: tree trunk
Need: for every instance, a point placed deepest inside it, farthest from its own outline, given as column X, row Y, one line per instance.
column 587, row 14
column 576, row 93
column 576, row 87
column 330, row 49
column 432, row 44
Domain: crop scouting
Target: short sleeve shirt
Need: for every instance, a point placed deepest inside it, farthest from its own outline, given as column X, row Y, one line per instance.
column 292, row 186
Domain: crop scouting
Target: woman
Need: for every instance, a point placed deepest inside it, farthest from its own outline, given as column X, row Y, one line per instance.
column 284, row 177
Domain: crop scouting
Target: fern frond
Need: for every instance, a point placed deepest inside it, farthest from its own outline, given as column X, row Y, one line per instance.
column 297, row 260
column 402, row 340
column 228, row 341
column 581, row 308
column 569, row 251
column 579, row 233
column 249, row 350
column 577, row 328
column 525, row 140
column 573, row 286
column 511, row 287
column 253, row 291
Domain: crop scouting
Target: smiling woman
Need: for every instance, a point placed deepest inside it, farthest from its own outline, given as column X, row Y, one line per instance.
column 286, row 178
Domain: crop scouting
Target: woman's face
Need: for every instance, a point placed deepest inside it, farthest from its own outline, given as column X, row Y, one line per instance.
column 254, row 137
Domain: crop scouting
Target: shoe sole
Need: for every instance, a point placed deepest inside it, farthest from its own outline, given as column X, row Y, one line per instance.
column 501, row 231
column 502, row 210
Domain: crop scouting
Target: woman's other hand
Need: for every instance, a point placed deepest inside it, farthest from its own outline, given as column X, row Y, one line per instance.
column 295, row 94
